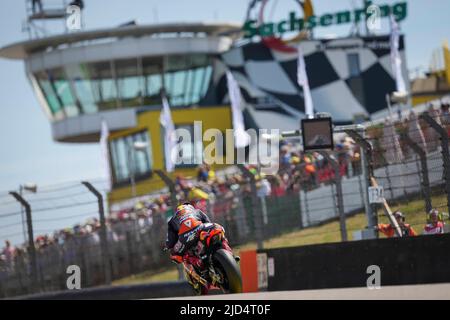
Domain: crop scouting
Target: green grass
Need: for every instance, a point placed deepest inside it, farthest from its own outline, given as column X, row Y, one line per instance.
column 166, row 274
column 328, row 232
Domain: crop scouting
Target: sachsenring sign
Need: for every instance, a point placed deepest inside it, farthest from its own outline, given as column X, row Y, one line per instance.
column 295, row 24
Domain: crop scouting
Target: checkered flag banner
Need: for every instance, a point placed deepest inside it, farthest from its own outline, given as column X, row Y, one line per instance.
column 347, row 77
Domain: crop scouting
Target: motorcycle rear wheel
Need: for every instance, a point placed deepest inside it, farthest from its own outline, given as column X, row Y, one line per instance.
column 225, row 261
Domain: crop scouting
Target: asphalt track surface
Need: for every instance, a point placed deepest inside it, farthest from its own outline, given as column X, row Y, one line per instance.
column 410, row 292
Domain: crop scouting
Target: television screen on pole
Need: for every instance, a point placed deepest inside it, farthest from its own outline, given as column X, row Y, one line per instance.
column 317, row 134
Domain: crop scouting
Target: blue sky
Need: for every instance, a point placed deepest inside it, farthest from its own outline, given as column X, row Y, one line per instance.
column 27, row 150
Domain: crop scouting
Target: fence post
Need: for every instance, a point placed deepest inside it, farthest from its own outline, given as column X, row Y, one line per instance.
column 103, row 233
column 333, row 196
column 174, row 201
column 244, row 214
column 31, row 247
column 209, row 209
column 424, row 168
column 388, row 178
column 367, row 171
column 308, row 218
column 257, row 215
column 171, row 185
column 300, row 208
column 340, row 202
column 445, row 151
column 361, row 191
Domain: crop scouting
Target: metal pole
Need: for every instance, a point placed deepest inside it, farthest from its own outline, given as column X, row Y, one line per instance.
column 388, row 178
column 131, row 169
column 22, row 216
column 333, row 197
column 300, row 208
column 31, row 247
column 171, row 185
column 424, row 168
column 308, row 219
column 445, row 151
column 361, row 191
column 103, row 235
column 366, row 166
column 340, row 200
column 388, row 101
column 174, row 202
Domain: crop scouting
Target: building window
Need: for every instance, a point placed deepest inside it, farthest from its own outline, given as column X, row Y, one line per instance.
column 50, row 95
column 128, row 159
column 129, row 82
column 104, row 85
column 353, row 64
column 186, row 78
column 89, row 88
column 81, row 78
column 63, row 89
column 153, row 80
column 190, row 151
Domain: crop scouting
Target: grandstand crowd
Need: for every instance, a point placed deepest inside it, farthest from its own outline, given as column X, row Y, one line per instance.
column 211, row 191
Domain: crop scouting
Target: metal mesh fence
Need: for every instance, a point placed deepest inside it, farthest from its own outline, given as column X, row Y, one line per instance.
column 307, row 191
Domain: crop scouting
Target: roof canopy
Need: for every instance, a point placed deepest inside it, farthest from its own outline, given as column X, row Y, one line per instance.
column 22, row 50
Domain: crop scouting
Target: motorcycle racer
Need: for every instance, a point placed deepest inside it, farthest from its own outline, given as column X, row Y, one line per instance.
column 182, row 235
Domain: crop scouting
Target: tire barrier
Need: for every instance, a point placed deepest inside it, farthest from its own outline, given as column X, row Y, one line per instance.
column 402, row 261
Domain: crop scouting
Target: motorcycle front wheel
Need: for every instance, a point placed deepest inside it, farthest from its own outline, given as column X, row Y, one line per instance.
column 229, row 268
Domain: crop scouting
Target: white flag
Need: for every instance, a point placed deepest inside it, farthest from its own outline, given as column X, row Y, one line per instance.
column 169, row 135
column 396, row 60
column 392, row 150
column 302, row 79
column 415, row 131
column 241, row 137
column 104, row 146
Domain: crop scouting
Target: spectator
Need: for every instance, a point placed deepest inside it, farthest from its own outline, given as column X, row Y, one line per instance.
column 202, row 173
column 8, row 253
column 435, row 224
column 36, row 3
column 389, row 230
column 278, row 188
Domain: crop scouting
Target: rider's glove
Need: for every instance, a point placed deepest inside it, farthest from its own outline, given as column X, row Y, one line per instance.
column 176, row 258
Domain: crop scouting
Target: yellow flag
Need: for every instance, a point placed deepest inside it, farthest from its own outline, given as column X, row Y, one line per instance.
column 308, row 9
column 447, row 61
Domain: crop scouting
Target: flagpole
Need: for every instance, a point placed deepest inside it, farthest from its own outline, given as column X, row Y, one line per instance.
column 302, row 79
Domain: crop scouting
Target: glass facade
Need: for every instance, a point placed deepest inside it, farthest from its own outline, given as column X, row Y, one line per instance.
column 133, row 82
column 126, row 160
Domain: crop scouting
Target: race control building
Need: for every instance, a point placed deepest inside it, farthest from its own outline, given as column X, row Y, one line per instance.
column 117, row 75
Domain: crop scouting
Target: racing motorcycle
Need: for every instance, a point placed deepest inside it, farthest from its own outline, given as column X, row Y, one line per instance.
column 218, row 267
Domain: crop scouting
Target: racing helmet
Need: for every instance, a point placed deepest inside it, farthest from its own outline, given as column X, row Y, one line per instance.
column 184, row 208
